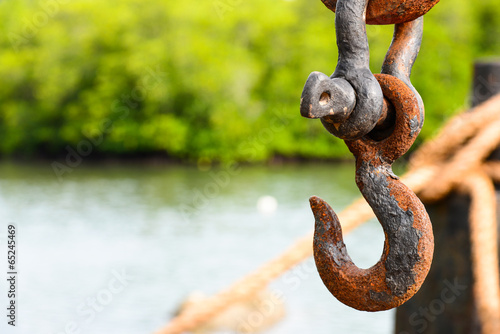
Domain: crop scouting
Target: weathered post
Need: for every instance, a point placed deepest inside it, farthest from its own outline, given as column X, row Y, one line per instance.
column 445, row 303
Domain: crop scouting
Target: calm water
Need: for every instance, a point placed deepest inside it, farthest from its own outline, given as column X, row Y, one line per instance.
column 115, row 249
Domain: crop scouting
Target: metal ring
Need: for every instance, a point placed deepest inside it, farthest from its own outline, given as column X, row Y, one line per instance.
column 391, row 11
column 406, row 129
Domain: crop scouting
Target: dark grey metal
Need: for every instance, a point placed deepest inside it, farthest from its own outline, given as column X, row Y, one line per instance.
column 327, row 97
column 354, row 66
column 397, row 224
column 354, row 117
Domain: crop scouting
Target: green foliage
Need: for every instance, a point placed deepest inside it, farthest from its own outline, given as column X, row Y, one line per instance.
column 209, row 80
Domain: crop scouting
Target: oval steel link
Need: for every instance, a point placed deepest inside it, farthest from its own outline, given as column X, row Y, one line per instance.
column 392, row 11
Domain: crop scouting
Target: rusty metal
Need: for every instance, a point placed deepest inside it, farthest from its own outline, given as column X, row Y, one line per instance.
column 409, row 243
column 391, row 11
column 402, row 54
column 379, row 122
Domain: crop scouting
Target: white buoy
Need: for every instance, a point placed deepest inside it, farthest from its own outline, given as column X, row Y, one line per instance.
column 267, row 205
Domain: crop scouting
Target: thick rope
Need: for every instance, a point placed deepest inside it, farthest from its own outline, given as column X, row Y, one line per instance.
column 352, row 216
column 492, row 168
column 484, row 249
column 468, row 158
column 433, row 174
column 456, row 132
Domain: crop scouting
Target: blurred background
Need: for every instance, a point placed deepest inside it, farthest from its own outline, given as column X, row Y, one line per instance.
column 164, row 139
column 193, row 81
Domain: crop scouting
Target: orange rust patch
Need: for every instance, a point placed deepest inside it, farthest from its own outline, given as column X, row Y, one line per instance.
column 391, row 11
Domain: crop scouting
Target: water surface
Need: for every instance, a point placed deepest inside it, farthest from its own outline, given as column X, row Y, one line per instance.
column 116, row 248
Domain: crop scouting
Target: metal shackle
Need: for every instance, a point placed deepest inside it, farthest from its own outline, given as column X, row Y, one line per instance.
column 352, row 74
column 350, row 102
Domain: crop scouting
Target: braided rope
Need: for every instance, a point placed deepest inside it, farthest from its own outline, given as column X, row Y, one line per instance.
column 484, row 249
column 468, row 158
column 492, row 169
column 456, row 132
column 433, row 173
column 353, row 216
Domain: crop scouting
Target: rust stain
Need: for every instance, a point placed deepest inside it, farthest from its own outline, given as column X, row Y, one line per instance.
column 391, row 11
column 382, row 286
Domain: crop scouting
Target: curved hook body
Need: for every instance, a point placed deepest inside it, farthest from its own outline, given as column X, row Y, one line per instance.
column 409, row 242
column 407, row 253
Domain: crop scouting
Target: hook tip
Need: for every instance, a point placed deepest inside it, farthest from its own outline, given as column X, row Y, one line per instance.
column 317, row 204
column 322, row 211
column 314, row 200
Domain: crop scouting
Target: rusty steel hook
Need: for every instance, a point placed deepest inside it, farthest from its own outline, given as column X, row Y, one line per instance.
column 409, row 241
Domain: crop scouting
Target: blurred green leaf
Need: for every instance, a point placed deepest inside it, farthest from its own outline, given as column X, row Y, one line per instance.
column 207, row 80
